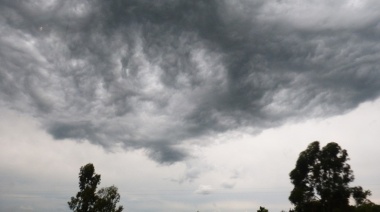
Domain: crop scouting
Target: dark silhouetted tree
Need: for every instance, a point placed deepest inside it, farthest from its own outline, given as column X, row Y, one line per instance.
column 262, row 209
column 107, row 199
column 88, row 200
column 360, row 196
column 321, row 180
column 367, row 207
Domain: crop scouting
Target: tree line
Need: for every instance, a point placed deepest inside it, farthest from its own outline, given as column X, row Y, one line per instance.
column 321, row 181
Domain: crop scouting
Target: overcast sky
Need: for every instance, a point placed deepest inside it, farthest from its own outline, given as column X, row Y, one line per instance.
column 183, row 105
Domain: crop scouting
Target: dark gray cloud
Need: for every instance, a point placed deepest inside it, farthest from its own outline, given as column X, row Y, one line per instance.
column 157, row 74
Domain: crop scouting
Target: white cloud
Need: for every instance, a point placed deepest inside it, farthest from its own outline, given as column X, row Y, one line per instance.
column 321, row 15
column 204, row 189
column 228, row 185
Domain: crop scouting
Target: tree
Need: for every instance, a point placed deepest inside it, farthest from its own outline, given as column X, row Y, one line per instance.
column 321, row 180
column 108, row 198
column 88, row 182
column 367, row 207
column 88, row 200
column 262, row 209
column 360, row 196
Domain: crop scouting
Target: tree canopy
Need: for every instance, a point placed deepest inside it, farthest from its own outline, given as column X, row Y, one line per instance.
column 321, row 180
column 90, row 200
column 262, row 209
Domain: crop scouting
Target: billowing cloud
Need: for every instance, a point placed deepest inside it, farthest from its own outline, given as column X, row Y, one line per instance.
column 157, row 74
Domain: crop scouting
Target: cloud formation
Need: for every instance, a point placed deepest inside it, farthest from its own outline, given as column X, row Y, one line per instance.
column 155, row 75
column 204, row 190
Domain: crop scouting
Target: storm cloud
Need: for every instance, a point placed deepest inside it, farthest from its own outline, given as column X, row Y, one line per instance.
column 158, row 75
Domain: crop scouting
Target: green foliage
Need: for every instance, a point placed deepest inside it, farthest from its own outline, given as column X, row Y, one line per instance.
column 107, row 199
column 262, row 209
column 360, row 196
column 85, row 198
column 88, row 200
column 321, row 178
column 368, row 207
